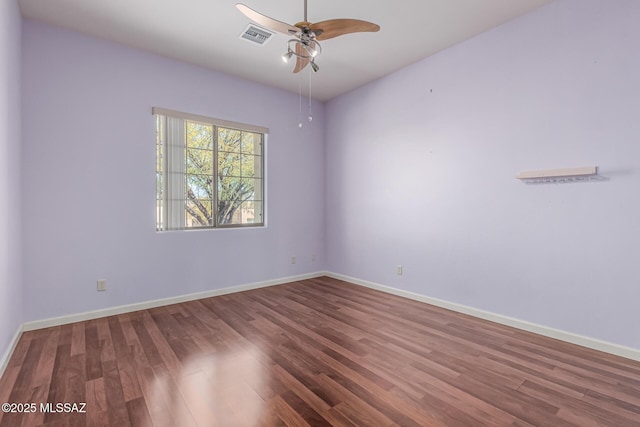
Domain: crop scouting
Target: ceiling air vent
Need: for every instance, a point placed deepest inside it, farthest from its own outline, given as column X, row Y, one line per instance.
column 256, row 34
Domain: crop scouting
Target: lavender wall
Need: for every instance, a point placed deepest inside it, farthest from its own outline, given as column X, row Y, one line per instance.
column 89, row 186
column 418, row 170
column 421, row 166
column 10, row 273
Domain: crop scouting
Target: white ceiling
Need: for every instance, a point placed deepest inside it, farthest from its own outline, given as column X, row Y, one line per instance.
column 206, row 33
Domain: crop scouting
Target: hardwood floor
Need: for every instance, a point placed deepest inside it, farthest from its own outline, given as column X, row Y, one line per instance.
column 318, row 352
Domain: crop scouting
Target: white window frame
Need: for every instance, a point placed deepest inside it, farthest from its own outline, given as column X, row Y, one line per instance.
column 171, row 179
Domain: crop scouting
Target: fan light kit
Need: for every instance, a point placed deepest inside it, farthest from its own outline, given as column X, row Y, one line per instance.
column 308, row 52
column 305, row 46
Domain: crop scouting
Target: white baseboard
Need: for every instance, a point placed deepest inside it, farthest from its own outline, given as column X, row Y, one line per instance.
column 95, row 314
column 595, row 344
column 10, row 348
column 618, row 350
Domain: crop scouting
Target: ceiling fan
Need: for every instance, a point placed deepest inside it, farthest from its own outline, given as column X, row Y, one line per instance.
column 305, row 45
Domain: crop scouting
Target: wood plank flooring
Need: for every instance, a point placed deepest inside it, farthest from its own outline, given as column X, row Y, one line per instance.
column 319, row 352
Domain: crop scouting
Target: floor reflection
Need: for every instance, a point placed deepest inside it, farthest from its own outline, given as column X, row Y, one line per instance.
column 217, row 389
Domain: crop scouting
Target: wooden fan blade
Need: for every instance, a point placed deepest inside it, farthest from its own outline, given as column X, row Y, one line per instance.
column 337, row 27
column 265, row 21
column 301, row 62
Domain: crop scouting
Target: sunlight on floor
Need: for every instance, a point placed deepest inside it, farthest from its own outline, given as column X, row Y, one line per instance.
column 214, row 389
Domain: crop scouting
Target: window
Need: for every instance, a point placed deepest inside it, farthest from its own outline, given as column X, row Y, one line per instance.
column 209, row 173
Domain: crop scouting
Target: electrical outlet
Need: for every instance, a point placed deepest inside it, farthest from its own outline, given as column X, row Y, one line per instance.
column 102, row 285
column 313, row 258
column 293, row 260
column 399, row 270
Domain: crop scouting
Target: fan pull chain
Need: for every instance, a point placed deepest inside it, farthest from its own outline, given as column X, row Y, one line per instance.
column 300, row 101
column 310, row 117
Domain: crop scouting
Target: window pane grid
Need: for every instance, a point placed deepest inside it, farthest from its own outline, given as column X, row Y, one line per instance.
column 221, row 176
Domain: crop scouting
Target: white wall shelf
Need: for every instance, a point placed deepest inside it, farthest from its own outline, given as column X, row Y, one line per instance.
column 587, row 173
